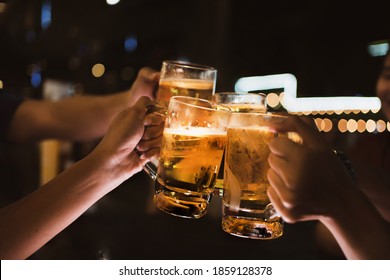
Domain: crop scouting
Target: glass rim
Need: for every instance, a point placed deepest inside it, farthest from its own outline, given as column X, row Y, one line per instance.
column 192, row 65
column 215, row 107
column 266, row 114
column 240, row 93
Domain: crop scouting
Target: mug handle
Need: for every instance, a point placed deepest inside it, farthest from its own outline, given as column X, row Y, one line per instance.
column 151, row 167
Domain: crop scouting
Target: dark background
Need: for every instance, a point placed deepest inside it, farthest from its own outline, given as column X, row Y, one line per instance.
column 323, row 45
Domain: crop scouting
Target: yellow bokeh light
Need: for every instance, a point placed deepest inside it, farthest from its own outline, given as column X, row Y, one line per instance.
column 318, row 123
column 381, row 125
column 371, row 126
column 1, row 84
column 351, row 125
column 327, row 125
column 2, row 7
column 388, row 126
column 98, row 70
column 342, row 125
column 361, row 126
column 273, row 100
column 356, row 111
column 281, row 96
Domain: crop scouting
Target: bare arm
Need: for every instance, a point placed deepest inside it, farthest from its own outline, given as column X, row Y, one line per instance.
column 77, row 118
column 359, row 229
column 29, row 223
column 308, row 182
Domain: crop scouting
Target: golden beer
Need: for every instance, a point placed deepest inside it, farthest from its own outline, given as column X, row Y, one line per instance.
column 247, row 211
column 184, row 87
column 238, row 102
column 180, row 78
column 188, row 164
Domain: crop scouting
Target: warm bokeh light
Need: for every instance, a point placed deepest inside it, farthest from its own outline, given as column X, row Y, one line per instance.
column 318, row 123
column 361, row 126
column 371, row 126
column 342, row 125
column 328, row 125
column 1, row 84
column 356, row 111
column 351, row 125
column 98, row 70
column 381, row 125
column 2, row 7
column 273, row 100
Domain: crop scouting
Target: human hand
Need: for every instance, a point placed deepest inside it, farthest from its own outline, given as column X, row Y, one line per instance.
column 307, row 180
column 145, row 84
column 132, row 139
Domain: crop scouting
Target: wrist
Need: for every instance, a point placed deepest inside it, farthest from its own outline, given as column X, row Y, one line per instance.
column 118, row 167
column 346, row 162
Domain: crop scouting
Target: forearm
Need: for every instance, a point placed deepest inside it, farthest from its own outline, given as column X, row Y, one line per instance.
column 359, row 229
column 76, row 118
column 87, row 117
column 28, row 224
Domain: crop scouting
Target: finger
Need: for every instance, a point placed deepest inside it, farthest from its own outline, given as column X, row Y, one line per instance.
column 279, row 170
column 305, row 128
column 153, row 118
column 285, row 194
column 146, row 83
column 148, row 74
column 278, row 205
column 282, row 146
column 152, row 132
column 149, row 144
column 150, row 154
column 277, row 183
column 141, row 105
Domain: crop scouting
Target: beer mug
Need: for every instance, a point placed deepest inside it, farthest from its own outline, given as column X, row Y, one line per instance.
column 241, row 102
column 193, row 142
column 246, row 208
column 238, row 102
column 179, row 78
column 185, row 79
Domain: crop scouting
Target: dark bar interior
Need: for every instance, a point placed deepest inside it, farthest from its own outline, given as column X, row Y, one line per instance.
column 60, row 43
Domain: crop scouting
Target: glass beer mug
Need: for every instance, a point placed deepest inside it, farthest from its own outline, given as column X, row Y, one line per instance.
column 238, row 102
column 179, row 78
column 246, row 208
column 191, row 153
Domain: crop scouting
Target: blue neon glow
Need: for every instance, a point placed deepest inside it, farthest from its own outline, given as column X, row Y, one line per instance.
column 131, row 43
column 36, row 78
column 46, row 14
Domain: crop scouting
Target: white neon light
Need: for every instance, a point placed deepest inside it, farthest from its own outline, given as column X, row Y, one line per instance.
column 378, row 49
column 292, row 103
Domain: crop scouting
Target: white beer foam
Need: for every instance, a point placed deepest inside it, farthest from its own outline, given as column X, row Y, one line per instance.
column 195, row 131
